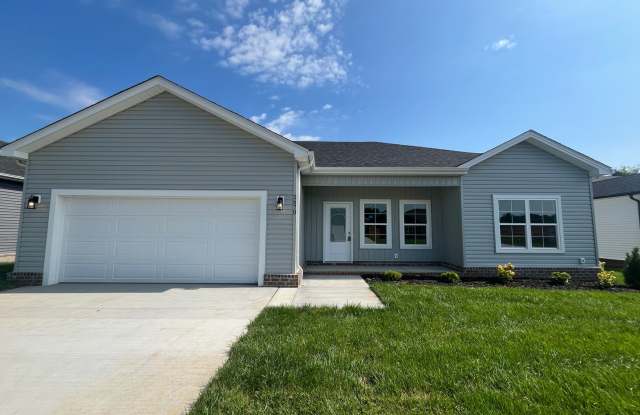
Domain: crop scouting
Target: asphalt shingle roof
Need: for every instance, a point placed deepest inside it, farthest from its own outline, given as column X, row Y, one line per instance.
column 9, row 165
column 377, row 154
column 616, row 186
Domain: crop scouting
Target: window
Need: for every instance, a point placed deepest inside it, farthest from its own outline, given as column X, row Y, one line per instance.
column 415, row 224
column 528, row 223
column 375, row 224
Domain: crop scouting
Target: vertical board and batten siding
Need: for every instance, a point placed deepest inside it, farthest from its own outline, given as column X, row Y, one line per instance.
column 314, row 198
column 10, row 202
column 163, row 143
column 617, row 226
column 525, row 169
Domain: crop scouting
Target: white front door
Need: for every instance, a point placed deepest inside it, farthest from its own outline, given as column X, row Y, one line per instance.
column 337, row 232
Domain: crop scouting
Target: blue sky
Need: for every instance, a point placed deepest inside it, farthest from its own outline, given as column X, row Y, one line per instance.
column 464, row 75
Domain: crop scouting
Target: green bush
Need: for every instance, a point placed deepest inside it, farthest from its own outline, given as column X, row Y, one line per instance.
column 560, row 278
column 606, row 279
column 450, row 276
column 632, row 268
column 392, row 275
column 506, row 272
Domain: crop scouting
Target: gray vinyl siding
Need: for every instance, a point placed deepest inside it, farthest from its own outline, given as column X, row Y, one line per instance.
column 10, row 201
column 314, row 197
column 162, row 143
column 526, row 169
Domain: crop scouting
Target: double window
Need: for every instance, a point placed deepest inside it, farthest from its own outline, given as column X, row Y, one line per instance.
column 528, row 223
column 375, row 224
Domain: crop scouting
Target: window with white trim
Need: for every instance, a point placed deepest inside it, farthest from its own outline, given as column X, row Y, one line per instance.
column 528, row 223
column 415, row 224
column 375, row 224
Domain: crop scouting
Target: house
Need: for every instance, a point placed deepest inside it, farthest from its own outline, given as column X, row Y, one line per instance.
column 11, row 176
column 617, row 208
column 158, row 184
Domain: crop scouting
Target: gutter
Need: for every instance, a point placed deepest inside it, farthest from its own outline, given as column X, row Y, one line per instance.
column 638, row 202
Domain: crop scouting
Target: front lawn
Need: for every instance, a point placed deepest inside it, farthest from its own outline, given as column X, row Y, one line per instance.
column 439, row 349
column 4, row 268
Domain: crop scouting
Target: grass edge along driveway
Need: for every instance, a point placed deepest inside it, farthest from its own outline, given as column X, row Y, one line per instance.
column 440, row 349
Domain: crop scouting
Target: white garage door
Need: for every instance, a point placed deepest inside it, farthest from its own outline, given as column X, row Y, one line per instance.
column 126, row 239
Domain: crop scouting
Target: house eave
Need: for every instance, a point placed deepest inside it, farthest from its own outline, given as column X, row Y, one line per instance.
column 387, row 171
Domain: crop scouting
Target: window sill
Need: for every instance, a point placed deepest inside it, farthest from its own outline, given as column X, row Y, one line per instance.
column 364, row 246
column 529, row 251
column 414, row 247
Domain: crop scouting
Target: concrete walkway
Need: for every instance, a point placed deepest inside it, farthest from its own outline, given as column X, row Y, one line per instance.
column 117, row 348
column 328, row 290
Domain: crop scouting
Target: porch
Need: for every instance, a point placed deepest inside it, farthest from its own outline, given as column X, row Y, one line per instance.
column 373, row 228
column 374, row 269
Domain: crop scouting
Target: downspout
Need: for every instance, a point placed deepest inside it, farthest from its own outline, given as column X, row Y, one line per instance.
column 638, row 202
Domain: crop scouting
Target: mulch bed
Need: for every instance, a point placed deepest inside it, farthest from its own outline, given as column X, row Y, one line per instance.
column 521, row 283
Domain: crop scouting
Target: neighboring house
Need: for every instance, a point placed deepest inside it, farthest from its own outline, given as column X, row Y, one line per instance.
column 617, row 208
column 11, row 176
column 158, row 184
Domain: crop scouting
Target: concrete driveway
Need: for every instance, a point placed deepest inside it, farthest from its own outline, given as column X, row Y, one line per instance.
column 117, row 348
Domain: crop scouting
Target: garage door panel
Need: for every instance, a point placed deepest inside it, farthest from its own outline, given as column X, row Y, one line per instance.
column 160, row 239
column 185, row 272
column 91, row 226
column 190, row 226
column 136, row 251
column 237, row 226
column 86, row 248
column 136, row 225
column 91, row 206
column 80, row 272
column 135, row 271
column 229, row 273
column 194, row 250
column 236, row 247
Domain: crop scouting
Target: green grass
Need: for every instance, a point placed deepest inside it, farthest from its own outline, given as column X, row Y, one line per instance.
column 4, row 268
column 439, row 349
column 619, row 278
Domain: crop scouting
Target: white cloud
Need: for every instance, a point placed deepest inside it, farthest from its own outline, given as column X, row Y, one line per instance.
column 282, row 124
column 167, row 27
column 235, row 8
column 69, row 94
column 274, row 97
column 258, row 118
column 505, row 43
column 290, row 46
column 187, row 5
column 327, row 107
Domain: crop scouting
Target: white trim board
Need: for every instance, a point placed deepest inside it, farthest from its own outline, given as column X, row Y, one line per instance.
column 135, row 95
column 57, row 207
column 561, row 151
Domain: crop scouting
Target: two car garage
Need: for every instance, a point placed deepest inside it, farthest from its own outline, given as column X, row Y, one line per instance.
column 156, row 237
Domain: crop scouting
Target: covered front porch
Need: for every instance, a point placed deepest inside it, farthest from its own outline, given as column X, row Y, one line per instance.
column 370, row 224
column 374, row 269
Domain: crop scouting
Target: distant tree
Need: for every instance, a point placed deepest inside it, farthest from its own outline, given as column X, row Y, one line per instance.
column 626, row 170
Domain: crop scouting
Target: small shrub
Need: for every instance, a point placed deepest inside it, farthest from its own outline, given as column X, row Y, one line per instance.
column 606, row 279
column 391, row 275
column 560, row 278
column 506, row 272
column 450, row 276
column 632, row 268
